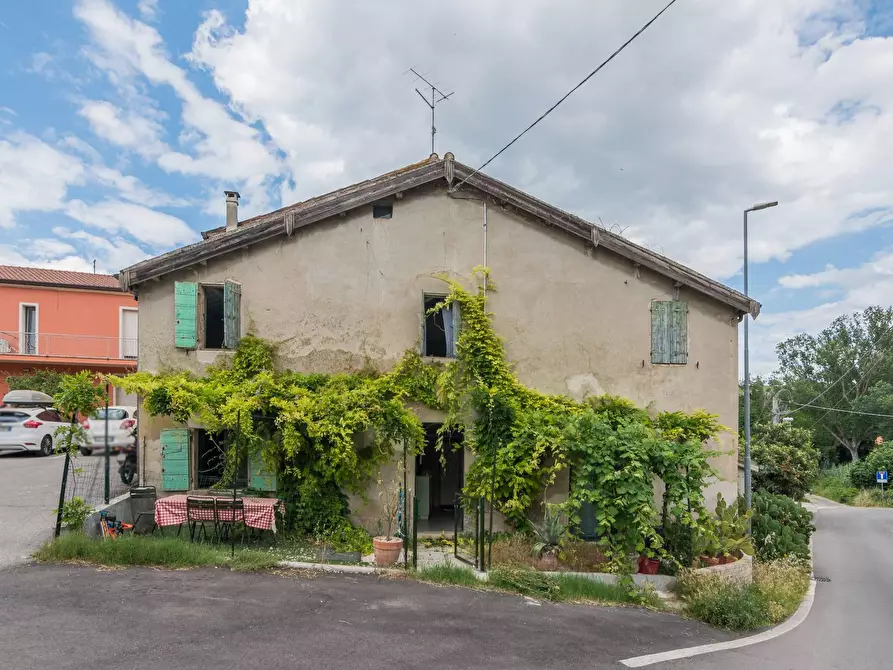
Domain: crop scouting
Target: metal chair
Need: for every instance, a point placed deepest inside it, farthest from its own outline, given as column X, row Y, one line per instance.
column 200, row 511
column 230, row 511
column 142, row 509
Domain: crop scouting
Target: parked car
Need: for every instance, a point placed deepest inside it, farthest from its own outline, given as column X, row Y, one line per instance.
column 28, row 429
column 122, row 424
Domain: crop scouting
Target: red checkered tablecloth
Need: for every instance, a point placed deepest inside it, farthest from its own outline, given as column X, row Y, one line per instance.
column 259, row 512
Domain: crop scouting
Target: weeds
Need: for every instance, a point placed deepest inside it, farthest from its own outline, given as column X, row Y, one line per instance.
column 525, row 582
column 776, row 593
column 448, row 573
column 834, row 483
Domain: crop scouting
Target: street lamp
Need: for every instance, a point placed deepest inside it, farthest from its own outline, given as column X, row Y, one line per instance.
column 747, row 492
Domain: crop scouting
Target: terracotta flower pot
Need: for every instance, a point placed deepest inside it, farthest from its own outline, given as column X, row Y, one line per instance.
column 547, row 561
column 386, row 551
column 710, row 560
column 648, row 566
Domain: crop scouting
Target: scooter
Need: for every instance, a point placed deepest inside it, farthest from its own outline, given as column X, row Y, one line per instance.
column 127, row 466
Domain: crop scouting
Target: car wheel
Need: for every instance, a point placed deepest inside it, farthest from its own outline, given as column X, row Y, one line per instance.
column 46, row 445
column 86, row 451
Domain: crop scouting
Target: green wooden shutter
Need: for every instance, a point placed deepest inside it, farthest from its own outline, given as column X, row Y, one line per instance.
column 678, row 332
column 232, row 311
column 185, row 313
column 175, row 459
column 260, row 476
column 669, row 332
column 660, row 319
column 452, row 349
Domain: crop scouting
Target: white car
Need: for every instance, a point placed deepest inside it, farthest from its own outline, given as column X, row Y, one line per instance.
column 29, row 429
column 121, row 429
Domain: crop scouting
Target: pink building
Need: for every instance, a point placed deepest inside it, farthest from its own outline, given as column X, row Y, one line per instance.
column 65, row 321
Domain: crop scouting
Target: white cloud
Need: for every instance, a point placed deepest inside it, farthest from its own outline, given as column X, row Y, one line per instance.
column 13, row 255
column 51, row 248
column 224, row 148
column 132, row 189
column 124, row 128
column 112, row 254
column 156, row 229
column 34, row 177
column 148, row 9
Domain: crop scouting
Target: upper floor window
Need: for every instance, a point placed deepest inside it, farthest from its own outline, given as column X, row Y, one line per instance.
column 384, row 210
column 669, row 332
column 28, row 329
column 218, row 305
column 441, row 327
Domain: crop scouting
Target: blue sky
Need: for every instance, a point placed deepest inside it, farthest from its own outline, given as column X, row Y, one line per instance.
column 122, row 121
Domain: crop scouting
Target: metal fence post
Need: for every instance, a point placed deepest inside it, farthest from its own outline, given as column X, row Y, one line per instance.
column 108, row 451
column 415, row 532
column 62, row 495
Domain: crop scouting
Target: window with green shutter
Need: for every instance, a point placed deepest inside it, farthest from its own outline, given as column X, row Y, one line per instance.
column 669, row 332
column 232, row 308
column 175, row 459
column 186, row 314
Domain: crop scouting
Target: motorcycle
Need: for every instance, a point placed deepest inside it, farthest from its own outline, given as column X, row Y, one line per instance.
column 127, row 464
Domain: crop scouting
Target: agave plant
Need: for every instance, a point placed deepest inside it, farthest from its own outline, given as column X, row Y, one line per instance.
column 550, row 531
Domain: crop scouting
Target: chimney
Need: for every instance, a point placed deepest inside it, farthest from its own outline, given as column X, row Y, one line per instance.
column 232, row 210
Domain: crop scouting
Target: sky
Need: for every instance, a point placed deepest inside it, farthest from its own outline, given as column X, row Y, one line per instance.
column 122, row 122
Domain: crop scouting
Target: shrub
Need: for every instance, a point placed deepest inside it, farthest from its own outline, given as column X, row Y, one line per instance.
column 788, row 462
column 871, row 498
column 515, row 549
column 75, row 513
column 781, row 527
column 347, row 538
column 863, row 473
column 782, row 584
column 834, row 483
column 581, row 556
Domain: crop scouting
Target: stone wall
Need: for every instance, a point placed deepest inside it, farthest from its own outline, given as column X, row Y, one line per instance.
column 739, row 571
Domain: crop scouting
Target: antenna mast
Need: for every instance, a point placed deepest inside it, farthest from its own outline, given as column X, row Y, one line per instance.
column 437, row 96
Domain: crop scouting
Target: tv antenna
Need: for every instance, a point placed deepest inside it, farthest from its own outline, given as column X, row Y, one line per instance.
column 437, row 96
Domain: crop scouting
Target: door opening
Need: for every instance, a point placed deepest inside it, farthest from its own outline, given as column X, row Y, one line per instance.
column 440, row 476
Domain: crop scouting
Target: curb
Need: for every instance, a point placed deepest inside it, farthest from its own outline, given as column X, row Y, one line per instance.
column 342, row 569
column 796, row 619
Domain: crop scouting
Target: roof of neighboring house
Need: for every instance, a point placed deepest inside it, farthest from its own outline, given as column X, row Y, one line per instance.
column 10, row 274
column 448, row 171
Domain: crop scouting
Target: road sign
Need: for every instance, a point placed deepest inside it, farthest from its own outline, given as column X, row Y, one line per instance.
column 882, row 477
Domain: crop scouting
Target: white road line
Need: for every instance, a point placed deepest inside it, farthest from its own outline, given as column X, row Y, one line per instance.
column 789, row 625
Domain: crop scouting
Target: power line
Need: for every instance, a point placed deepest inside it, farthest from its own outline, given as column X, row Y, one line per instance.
column 568, row 94
column 847, row 411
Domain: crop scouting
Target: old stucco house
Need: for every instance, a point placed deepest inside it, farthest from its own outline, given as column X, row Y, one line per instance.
column 345, row 278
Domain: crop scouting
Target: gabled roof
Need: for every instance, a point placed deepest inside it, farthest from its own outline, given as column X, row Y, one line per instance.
column 285, row 221
column 10, row 274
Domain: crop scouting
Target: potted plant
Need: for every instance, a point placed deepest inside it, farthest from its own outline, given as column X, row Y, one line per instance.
column 387, row 546
column 731, row 530
column 649, row 563
column 706, row 543
column 550, row 532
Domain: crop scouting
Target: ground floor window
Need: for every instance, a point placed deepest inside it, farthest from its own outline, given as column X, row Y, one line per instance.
column 211, row 452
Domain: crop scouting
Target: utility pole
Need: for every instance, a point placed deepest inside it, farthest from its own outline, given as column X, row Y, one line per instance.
column 437, row 96
column 776, row 412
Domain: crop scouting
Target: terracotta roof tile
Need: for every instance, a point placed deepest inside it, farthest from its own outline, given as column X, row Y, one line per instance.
column 40, row 277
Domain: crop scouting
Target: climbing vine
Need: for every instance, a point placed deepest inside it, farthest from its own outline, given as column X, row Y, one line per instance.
column 329, row 434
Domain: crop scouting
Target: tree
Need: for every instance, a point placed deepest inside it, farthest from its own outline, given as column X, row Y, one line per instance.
column 848, row 367
column 45, row 381
column 762, row 391
column 787, row 461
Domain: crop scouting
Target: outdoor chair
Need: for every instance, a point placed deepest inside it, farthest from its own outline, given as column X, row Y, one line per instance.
column 230, row 511
column 200, row 511
column 142, row 509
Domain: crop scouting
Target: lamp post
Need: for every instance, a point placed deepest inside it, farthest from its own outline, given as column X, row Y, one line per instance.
column 747, row 487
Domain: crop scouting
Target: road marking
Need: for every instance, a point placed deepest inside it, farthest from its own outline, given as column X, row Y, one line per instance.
column 782, row 628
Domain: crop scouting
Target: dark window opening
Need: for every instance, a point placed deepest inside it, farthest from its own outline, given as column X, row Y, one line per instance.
column 382, row 211
column 440, row 476
column 435, row 333
column 213, row 317
column 212, row 452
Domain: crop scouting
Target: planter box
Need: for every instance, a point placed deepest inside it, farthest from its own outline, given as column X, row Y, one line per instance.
column 740, row 571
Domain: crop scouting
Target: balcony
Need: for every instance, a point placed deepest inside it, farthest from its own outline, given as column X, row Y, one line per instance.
column 20, row 345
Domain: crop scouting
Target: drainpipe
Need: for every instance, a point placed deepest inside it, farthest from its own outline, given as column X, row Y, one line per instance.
column 485, row 242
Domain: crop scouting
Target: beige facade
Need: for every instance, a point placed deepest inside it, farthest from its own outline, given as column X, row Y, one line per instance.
column 348, row 291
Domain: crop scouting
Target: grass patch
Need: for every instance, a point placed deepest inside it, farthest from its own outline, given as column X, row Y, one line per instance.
column 136, row 550
column 516, row 550
column 834, row 484
column 576, row 588
column 447, row 573
column 776, row 593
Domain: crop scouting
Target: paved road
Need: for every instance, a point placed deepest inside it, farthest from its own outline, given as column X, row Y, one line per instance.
column 80, row 617
column 29, row 492
column 851, row 619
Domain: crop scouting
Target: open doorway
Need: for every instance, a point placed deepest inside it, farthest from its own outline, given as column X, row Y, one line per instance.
column 440, row 476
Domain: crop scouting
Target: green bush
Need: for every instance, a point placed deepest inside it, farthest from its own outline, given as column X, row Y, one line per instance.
column 74, row 513
column 834, row 483
column 863, row 474
column 348, row 538
column 787, row 461
column 781, row 527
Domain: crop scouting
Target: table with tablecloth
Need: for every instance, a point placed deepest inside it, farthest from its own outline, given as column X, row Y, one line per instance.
column 260, row 513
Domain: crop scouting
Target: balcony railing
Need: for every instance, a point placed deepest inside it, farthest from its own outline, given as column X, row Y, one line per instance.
column 15, row 343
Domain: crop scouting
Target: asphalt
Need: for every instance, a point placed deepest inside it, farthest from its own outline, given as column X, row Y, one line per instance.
column 29, row 492
column 82, row 617
column 849, row 625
